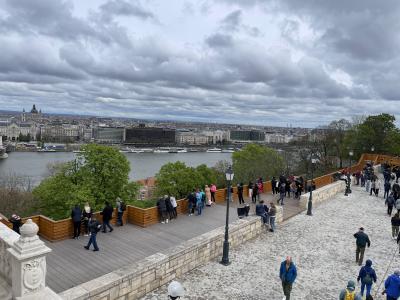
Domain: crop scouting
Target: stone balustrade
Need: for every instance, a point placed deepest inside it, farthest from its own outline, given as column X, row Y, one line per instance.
column 7, row 239
column 322, row 194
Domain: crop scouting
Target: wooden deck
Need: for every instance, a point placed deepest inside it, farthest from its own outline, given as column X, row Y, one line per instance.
column 69, row 264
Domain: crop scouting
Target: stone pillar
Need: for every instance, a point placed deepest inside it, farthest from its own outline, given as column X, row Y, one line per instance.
column 28, row 260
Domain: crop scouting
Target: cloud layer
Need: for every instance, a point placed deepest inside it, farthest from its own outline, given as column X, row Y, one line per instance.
column 237, row 61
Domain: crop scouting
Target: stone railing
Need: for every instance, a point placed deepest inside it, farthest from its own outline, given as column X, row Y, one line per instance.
column 138, row 279
column 7, row 239
column 323, row 193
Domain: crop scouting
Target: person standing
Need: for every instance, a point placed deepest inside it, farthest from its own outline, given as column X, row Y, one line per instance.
column 395, row 225
column 367, row 276
column 174, row 206
column 213, row 190
column 390, row 201
column 162, row 210
column 240, row 193
column 287, row 274
column 199, row 202
column 387, row 186
column 362, row 240
column 272, row 216
column 207, row 190
column 170, row 208
column 282, row 192
column 250, row 186
column 107, row 216
column 273, row 185
column 255, row 193
column 192, row 202
column 377, row 187
column 16, row 222
column 372, row 190
column 76, row 216
column 349, row 292
column 392, row 286
column 121, row 207
column 87, row 215
column 94, row 228
column 262, row 211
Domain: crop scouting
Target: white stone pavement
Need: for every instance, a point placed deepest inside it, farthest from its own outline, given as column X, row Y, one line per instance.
column 323, row 248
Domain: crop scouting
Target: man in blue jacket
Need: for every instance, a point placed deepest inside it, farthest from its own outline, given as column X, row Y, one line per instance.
column 392, row 286
column 287, row 274
column 367, row 276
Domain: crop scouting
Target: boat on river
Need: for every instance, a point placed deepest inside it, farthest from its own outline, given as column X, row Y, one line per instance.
column 214, row 150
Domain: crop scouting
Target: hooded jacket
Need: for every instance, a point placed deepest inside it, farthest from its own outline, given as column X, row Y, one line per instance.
column 288, row 275
column 367, row 269
column 392, row 286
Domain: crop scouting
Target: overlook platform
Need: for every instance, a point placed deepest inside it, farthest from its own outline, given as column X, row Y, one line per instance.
column 69, row 264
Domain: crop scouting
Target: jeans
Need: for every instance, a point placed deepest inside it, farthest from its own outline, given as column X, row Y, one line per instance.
column 213, row 196
column 389, row 211
column 272, row 222
column 395, row 231
column 119, row 218
column 287, row 288
column 240, row 196
column 368, row 289
column 360, row 254
column 199, row 207
column 281, row 197
column 368, row 185
column 92, row 239
column 190, row 207
column 107, row 224
column 77, row 229
column 386, row 194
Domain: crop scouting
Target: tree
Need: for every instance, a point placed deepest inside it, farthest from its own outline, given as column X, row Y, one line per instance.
column 256, row 161
column 99, row 174
column 220, row 170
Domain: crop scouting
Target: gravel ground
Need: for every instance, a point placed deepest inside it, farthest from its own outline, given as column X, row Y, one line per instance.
column 322, row 247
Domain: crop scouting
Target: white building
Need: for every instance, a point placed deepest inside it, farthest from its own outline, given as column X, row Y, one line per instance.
column 276, row 138
column 12, row 130
column 191, row 138
column 216, row 136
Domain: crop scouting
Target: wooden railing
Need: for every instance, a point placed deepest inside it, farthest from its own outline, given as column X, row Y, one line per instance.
column 62, row 229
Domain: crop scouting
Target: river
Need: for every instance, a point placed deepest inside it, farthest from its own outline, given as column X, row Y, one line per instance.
column 143, row 165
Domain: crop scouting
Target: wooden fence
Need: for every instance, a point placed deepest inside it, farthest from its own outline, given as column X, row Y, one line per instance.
column 58, row 230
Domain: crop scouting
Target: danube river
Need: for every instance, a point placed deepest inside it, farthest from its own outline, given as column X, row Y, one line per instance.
column 143, row 165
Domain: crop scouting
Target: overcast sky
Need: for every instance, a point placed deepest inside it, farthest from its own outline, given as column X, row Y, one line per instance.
column 268, row 62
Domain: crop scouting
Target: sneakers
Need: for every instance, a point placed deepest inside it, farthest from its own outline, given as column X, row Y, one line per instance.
column 166, row 221
column 94, row 250
column 162, row 222
column 86, row 247
column 111, row 230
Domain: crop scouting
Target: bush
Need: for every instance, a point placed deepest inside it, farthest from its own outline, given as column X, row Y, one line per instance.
column 144, row 203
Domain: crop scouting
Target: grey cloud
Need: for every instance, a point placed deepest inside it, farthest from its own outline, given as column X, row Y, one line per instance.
column 124, row 8
column 232, row 21
column 219, row 40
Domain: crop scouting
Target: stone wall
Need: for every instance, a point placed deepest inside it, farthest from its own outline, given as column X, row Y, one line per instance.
column 322, row 194
column 138, row 279
column 7, row 239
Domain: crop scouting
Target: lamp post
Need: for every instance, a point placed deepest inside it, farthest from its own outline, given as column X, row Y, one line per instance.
column 309, row 206
column 348, row 189
column 225, row 254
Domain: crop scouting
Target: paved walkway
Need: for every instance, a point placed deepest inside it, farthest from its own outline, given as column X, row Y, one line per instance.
column 69, row 264
column 323, row 248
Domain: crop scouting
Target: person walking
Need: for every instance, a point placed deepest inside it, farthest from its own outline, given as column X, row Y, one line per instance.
column 162, row 210
column 362, row 240
column 213, row 190
column 367, row 276
column 94, row 228
column 392, row 286
column 282, row 192
column 390, row 201
column 207, row 190
column 387, row 186
column 107, row 216
column 349, row 292
column 372, row 190
column 240, row 193
column 16, row 222
column 87, row 215
column 377, row 187
column 121, row 207
column 272, row 216
column 395, row 221
column 76, row 216
column 287, row 274
column 397, row 205
column 273, row 185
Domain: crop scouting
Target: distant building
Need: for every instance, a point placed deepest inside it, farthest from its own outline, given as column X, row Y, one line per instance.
column 247, row 135
column 109, row 135
column 12, row 130
column 276, row 138
column 33, row 115
column 191, row 138
column 60, row 133
column 216, row 136
column 149, row 136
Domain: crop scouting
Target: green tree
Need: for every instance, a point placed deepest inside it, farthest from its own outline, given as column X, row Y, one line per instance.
column 220, row 170
column 254, row 161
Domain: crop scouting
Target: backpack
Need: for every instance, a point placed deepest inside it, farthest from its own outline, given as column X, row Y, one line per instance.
column 368, row 278
column 123, row 206
column 350, row 295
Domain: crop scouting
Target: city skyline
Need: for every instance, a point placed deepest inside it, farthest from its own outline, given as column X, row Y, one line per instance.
column 269, row 63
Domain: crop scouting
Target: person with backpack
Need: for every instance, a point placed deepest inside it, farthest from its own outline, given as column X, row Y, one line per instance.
column 390, row 201
column 367, row 276
column 395, row 221
column 392, row 286
column 94, row 228
column 349, row 292
column 362, row 240
column 287, row 274
column 107, row 216
column 121, row 207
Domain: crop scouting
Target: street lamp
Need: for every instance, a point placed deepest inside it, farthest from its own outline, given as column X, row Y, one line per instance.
column 309, row 206
column 225, row 254
column 348, row 189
